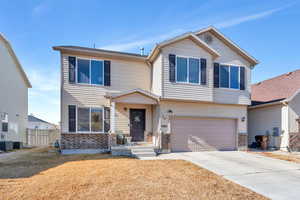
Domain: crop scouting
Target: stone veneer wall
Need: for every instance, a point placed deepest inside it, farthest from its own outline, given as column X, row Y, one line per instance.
column 243, row 141
column 84, row 141
column 166, row 143
column 294, row 141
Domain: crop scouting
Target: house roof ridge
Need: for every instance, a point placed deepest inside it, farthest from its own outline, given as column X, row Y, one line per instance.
column 99, row 50
column 30, row 117
column 230, row 42
column 275, row 77
column 283, row 86
column 16, row 60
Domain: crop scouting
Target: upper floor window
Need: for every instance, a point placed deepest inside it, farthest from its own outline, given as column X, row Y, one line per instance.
column 229, row 77
column 90, row 71
column 187, row 70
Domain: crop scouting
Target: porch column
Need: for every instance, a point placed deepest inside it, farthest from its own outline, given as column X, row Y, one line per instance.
column 113, row 117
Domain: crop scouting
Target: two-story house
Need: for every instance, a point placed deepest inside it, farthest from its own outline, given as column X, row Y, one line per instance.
column 189, row 94
column 14, row 86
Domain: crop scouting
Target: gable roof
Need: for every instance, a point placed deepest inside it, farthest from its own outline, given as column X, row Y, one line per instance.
column 100, row 52
column 32, row 118
column 155, row 52
column 14, row 57
column 188, row 35
column 137, row 90
column 229, row 43
column 278, row 88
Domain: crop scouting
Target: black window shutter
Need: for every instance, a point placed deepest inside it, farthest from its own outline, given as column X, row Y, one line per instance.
column 242, row 78
column 172, row 58
column 106, row 119
column 72, row 118
column 72, row 65
column 4, row 127
column 216, row 74
column 203, row 71
column 106, row 72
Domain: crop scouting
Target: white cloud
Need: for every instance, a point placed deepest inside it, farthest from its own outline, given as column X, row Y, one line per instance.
column 256, row 16
column 229, row 23
column 44, row 81
column 141, row 43
column 40, row 8
column 44, row 98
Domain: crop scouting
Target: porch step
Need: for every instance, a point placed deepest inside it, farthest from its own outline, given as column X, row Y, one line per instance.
column 138, row 151
column 143, row 155
column 143, row 152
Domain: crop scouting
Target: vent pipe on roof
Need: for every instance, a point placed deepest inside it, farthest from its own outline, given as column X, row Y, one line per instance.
column 142, row 49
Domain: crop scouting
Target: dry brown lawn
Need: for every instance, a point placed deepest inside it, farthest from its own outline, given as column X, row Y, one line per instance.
column 286, row 157
column 39, row 174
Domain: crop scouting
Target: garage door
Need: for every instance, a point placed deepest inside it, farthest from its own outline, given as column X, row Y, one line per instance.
column 201, row 134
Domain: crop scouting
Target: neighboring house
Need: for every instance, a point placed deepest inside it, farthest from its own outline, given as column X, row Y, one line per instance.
column 275, row 109
column 190, row 94
column 36, row 123
column 14, row 86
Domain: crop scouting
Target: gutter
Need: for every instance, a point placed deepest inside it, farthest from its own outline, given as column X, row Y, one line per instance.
column 100, row 52
column 268, row 104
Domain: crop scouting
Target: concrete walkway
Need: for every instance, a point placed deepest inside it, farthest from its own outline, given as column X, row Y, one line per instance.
column 270, row 177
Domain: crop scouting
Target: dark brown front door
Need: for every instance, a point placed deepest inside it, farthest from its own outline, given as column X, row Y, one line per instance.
column 137, row 124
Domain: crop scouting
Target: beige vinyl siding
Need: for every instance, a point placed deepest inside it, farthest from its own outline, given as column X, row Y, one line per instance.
column 122, row 117
column 157, row 76
column 261, row 121
column 207, row 110
column 294, row 113
column 186, row 48
column 125, row 75
column 229, row 57
column 13, row 97
column 231, row 96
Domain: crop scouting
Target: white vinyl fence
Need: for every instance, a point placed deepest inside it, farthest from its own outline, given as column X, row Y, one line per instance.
column 36, row 137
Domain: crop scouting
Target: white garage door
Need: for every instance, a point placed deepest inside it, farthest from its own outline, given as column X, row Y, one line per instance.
column 202, row 134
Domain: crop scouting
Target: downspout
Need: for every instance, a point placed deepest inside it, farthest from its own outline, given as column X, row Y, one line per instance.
column 151, row 76
column 285, row 103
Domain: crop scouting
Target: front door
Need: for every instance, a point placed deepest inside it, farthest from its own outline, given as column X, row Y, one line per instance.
column 137, row 124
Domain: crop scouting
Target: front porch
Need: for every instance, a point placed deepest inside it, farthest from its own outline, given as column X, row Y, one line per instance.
column 132, row 123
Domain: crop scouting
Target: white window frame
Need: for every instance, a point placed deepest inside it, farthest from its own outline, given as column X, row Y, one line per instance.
column 90, row 120
column 90, row 70
column 188, row 70
column 229, row 67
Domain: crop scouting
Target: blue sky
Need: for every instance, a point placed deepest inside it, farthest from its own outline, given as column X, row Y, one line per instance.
column 267, row 29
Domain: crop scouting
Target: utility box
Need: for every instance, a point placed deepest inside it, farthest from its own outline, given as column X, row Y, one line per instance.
column 18, row 145
column 6, row 145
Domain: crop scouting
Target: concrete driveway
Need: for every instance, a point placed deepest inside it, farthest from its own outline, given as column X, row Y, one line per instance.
column 270, row 177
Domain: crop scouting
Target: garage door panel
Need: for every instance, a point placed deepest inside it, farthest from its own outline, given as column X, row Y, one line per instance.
column 199, row 134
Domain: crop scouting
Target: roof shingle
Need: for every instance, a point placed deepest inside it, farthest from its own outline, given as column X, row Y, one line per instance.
column 280, row 87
